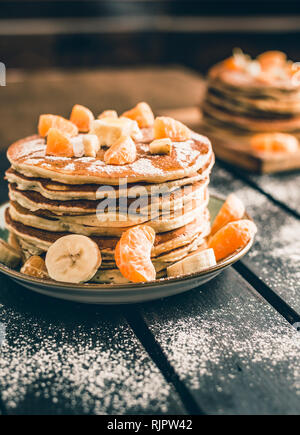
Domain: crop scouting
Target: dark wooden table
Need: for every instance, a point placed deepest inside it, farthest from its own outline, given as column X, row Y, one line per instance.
column 229, row 347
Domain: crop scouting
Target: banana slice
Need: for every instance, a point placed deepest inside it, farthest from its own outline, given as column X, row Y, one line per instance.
column 91, row 145
column 193, row 263
column 161, row 146
column 9, row 255
column 14, row 242
column 108, row 114
column 74, row 258
column 109, row 130
column 35, row 266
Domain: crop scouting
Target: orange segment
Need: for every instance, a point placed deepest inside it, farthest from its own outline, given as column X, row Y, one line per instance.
column 271, row 59
column 231, row 64
column 64, row 125
column 58, row 144
column 82, row 117
column 133, row 254
column 122, row 152
column 274, row 142
column 293, row 71
column 231, row 237
column 165, row 126
column 142, row 114
column 232, row 210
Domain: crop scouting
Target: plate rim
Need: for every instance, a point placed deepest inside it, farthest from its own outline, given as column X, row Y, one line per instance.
column 133, row 286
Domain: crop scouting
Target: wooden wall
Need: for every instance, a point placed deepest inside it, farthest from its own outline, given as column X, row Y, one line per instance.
column 84, row 34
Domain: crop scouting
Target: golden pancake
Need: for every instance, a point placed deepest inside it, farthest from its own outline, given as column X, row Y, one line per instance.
column 163, row 241
column 59, row 191
column 255, row 107
column 249, row 83
column 24, row 216
column 34, row 201
column 252, row 124
column 38, row 240
column 28, row 157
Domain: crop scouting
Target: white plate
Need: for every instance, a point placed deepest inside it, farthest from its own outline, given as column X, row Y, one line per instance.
column 122, row 293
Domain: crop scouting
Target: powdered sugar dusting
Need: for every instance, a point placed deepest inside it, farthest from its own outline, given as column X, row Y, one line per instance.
column 225, row 343
column 285, row 188
column 185, row 154
column 84, row 369
column 58, row 159
column 275, row 255
column 32, row 146
column 143, row 166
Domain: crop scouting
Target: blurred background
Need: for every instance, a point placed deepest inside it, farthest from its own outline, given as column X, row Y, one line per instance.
column 113, row 53
column 93, row 33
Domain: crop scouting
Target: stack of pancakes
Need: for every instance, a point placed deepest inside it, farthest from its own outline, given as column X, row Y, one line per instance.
column 252, row 96
column 53, row 196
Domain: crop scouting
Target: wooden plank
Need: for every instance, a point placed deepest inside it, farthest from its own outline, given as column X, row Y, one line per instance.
column 284, row 188
column 243, row 157
column 65, row 358
column 274, row 257
column 234, row 352
column 56, row 91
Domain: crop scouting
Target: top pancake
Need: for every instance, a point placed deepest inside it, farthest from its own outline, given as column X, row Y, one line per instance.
column 245, row 82
column 28, row 157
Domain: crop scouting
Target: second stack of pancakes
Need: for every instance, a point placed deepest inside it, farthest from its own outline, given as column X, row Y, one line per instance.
column 247, row 96
column 54, row 196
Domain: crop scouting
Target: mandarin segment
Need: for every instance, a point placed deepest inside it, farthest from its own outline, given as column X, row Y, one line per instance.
column 239, row 61
column 133, row 254
column 293, row 70
column 231, row 64
column 142, row 114
column 231, row 237
column 82, row 117
column 54, row 121
column 58, row 144
column 232, row 210
column 165, row 126
column 122, row 152
column 271, row 59
column 274, row 142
